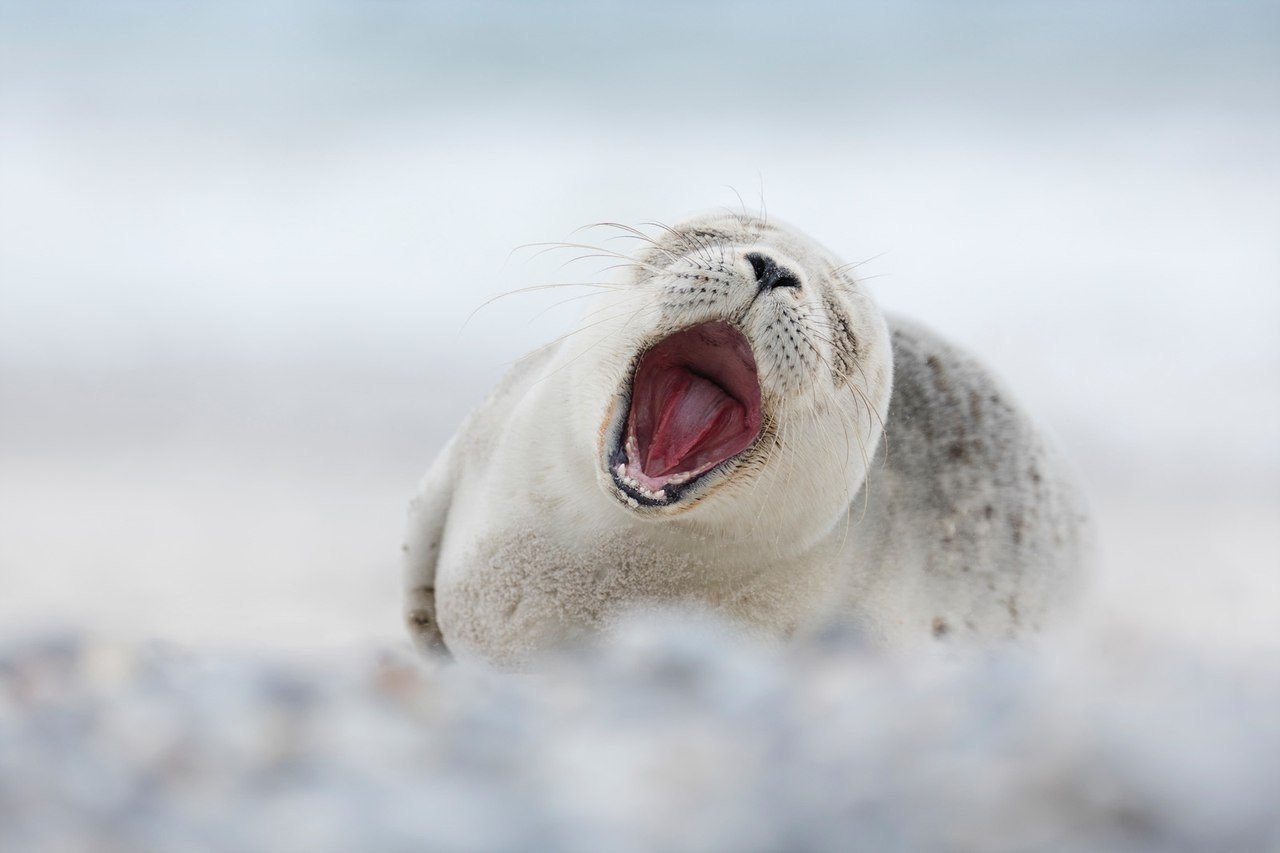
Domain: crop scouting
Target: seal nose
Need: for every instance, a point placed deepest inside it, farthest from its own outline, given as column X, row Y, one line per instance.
column 768, row 274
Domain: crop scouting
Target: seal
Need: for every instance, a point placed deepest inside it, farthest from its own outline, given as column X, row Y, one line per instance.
column 736, row 425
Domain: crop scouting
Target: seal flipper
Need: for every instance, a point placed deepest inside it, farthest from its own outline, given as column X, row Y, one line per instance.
column 428, row 512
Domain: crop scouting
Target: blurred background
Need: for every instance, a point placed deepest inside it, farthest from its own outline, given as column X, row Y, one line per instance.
column 239, row 244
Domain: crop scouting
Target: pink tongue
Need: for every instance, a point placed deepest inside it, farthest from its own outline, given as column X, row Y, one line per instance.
column 697, row 423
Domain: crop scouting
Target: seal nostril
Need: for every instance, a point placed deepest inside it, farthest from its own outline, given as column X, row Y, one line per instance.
column 768, row 274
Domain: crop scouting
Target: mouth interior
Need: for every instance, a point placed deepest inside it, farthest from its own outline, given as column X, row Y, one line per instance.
column 695, row 402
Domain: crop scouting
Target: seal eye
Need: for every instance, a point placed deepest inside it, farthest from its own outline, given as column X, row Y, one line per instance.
column 768, row 274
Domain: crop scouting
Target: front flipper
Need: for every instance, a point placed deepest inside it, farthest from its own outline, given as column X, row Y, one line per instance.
column 428, row 512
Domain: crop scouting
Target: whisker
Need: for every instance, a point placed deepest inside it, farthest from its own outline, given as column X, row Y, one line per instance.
column 681, row 236
column 555, row 305
column 553, row 246
column 635, row 233
column 854, row 265
column 741, row 203
column 598, row 285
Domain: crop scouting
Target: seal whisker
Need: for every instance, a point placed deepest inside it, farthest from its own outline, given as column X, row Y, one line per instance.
column 843, row 268
column 596, row 285
column 603, row 252
column 626, row 260
column 566, row 301
column 682, row 237
column 764, row 209
column 635, row 233
column 884, row 428
column 866, row 483
column 742, row 204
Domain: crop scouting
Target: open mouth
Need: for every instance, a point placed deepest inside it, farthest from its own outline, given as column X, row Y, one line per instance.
column 695, row 404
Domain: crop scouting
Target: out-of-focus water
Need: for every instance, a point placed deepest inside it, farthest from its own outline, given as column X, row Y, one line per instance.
column 239, row 246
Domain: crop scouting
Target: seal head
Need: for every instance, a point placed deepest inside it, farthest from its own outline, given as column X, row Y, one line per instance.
column 752, row 373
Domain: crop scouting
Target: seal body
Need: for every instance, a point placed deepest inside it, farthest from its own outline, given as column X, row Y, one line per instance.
column 737, row 426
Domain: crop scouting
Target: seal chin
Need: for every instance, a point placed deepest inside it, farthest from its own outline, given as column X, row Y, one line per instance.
column 693, row 407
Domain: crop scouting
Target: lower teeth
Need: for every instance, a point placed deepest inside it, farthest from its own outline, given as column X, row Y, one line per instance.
column 660, row 495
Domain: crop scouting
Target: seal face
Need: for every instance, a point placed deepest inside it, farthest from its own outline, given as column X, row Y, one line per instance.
column 730, row 399
column 741, row 351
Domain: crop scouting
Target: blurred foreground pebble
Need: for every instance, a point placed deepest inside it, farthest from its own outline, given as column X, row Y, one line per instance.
column 670, row 735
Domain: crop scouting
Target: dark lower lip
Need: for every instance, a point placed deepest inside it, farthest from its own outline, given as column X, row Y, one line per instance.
column 673, row 492
column 618, row 455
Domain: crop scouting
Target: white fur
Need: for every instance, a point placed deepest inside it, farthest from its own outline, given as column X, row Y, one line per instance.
column 519, row 540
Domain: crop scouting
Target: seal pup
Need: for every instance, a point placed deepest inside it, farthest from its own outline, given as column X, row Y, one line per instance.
column 736, row 425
